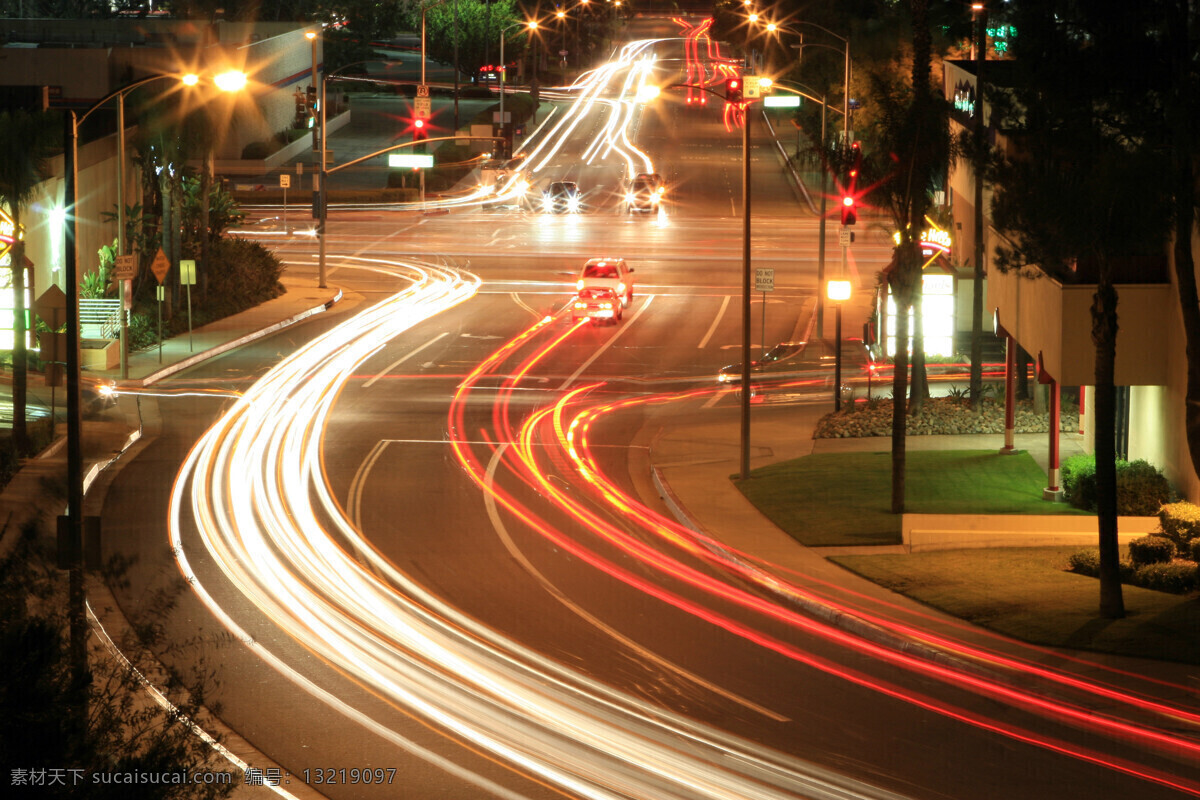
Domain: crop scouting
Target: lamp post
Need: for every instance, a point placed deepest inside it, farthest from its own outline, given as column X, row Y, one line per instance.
column 71, row 525
column 845, row 50
column 530, row 25
column 838, row 291
column 318, row 139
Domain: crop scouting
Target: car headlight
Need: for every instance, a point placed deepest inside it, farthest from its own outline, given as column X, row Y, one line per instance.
column 579, row 285
column 620, row 288
column 629, row 197
column 548, row 203
column 573, row 203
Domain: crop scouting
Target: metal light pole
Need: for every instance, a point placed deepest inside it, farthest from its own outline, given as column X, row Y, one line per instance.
column 845, row 50
column 528, row 25
column 71, row 525
column 323, row 188
column 745, row 448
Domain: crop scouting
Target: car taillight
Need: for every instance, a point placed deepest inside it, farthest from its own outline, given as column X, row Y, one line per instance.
column 581, row 305
column 606, row 305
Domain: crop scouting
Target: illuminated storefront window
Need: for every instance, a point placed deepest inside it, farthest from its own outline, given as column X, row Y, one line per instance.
column 8, row 236
column 937, row 300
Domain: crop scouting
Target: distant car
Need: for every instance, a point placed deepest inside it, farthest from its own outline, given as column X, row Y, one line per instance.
column 608, row 273
column 804, row 361
column 561, row 197
column 646, row 192
column 599, row 304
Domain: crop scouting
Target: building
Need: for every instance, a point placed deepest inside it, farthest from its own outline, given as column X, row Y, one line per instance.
column 83, row 61
column 1052, row 320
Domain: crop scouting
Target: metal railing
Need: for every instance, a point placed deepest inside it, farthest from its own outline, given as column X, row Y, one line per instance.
column 100, row 318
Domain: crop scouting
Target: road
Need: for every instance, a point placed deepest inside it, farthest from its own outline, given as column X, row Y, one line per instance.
column 419, row 535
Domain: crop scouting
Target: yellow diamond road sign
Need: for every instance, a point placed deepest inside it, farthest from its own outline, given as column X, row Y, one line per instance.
column 160, row 265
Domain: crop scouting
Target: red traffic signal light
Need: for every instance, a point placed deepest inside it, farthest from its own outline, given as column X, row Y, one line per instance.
column 733, row 90
column 849, row 210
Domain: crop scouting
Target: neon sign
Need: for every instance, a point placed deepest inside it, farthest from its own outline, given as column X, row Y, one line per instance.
column 932, row 238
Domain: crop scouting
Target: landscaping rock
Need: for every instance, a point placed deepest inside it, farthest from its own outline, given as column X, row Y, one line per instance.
column 940, row 416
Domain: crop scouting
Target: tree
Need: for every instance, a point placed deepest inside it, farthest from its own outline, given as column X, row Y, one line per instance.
column 126, row 731
column 1081, row 192
column 908, row 148
column 28, row 138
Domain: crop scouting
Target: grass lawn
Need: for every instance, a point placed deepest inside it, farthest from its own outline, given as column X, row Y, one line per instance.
column 1025, row 593
column 845, row 498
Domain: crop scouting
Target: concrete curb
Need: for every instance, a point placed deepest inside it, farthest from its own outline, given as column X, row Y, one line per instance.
column 213, row 352
column 814, row 608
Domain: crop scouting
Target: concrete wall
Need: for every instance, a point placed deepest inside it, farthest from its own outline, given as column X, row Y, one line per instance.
column 1054, row 319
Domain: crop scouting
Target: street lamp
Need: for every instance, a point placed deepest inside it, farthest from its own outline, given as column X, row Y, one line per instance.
column 845, row 50
column 838, row 291
column 530, row 25
column 312, row 39
column 74, row 517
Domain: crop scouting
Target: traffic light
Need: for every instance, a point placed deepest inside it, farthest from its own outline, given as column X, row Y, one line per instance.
column 733, row 90
column 849, row 200
column 855, row 166
column 849, row 209
column 420, row 134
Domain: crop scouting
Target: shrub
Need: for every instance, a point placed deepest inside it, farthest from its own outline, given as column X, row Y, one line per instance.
column 1079, row 481
column 1177, row 577
column 1195, row 550
column 1141, row 489
column 240, row 274
column 1085, row 562
column 1151, row 550
column 1180, row 522
column 256, row 151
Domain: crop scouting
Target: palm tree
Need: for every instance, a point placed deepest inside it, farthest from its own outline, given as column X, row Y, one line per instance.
column 27, row 138
column 910, row 146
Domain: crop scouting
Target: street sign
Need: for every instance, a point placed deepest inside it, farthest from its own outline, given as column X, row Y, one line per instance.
column 423, row 90
column 411, row 160
column 124, row 268
column 160, row 265
column 782, row 101
column 187, row 272
column 285, row 181
column 423, row 106
column 496, row 117
column 845, row 237
column 51, row 306
column 764, row 279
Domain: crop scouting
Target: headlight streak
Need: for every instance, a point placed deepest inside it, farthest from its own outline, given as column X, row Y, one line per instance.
column 248, row 487
column 720, row 553
column 529, row 471
column 682, row 537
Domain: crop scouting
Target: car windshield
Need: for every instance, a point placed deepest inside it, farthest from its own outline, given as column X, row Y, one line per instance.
column 600, row 271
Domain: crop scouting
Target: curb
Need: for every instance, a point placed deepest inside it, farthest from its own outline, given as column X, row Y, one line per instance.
column 842, row 620
column 213, row 352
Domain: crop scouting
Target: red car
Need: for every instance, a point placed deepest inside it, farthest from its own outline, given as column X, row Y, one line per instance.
column 599, row 304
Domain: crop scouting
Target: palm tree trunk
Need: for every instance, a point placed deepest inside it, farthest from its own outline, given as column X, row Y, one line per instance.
column 903, row 298
column 1104, row 336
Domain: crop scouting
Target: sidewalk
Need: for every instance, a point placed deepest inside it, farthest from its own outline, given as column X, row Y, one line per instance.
column 692, row 464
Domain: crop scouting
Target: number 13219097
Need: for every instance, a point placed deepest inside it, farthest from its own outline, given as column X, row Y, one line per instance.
column 354, row 775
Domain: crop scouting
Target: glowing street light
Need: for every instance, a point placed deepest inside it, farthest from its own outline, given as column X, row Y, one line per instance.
column 74, row 515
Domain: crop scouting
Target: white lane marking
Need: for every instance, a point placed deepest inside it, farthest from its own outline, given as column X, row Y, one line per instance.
column 401, row 360
column 607, row 345
column 502, row 531
column 354, row 509
column 713, row 328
